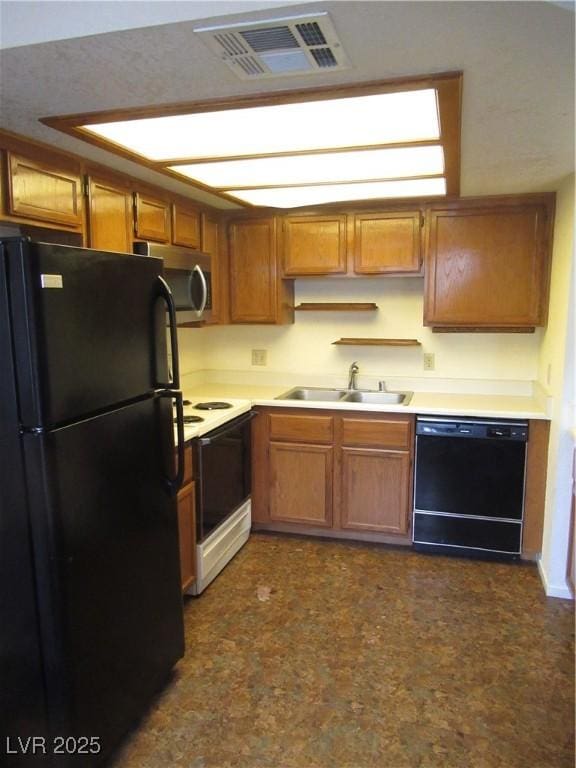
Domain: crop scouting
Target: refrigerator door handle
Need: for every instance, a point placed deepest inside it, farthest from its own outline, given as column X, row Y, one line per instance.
column 165, row 293
column 175, row 483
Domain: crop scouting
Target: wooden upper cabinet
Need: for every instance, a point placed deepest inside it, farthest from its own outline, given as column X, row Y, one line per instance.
column 40, row 191
column 487, row 265
column 185, row 226
column 152, row 218
column 314, row 245
column 210, row 243
column 257, row 294
column 110, row 225
column 387, row 242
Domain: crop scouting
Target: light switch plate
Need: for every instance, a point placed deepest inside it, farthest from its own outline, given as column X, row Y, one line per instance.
column 259, row 356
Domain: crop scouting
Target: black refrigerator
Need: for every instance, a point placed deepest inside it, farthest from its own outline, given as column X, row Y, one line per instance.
column 90, row 603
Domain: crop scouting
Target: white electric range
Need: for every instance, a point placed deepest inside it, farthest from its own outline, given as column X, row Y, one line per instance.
column 220, row 435
column 211, row 418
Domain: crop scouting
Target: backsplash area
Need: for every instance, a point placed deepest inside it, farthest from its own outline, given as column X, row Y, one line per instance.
column 306, row 348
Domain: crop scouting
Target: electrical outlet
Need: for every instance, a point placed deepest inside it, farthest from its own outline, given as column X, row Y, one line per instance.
column 429, row 363
column 259, row 356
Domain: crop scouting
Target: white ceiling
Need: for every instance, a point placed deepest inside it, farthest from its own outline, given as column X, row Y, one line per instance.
column 517, row 59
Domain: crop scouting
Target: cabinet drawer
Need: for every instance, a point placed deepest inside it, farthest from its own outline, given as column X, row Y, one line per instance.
column 301, row 429
column 382, row 433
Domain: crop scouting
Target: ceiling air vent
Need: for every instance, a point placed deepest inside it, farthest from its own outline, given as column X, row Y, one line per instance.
column 294, row 45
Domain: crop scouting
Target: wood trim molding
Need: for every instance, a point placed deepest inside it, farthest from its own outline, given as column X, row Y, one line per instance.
column 535, row 491
column 448, row 85
column 390, row 85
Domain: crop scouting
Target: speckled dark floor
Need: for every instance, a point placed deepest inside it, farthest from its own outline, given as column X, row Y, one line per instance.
column 314, row 654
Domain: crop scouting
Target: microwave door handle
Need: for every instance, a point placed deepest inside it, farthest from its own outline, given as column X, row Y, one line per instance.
column 198, row 271
column 166, row 294
column 230, row 427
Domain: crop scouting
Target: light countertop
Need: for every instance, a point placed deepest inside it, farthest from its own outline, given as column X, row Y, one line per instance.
column 481, row 405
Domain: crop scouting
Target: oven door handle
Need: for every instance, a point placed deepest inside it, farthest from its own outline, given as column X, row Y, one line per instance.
column 228, row 427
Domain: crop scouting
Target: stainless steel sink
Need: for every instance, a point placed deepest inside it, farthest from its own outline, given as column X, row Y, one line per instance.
column 314, row 393
column 379, row 398
column 321, row 394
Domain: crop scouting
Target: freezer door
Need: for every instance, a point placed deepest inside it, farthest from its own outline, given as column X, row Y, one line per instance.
column 88, row 329
column 106, row 545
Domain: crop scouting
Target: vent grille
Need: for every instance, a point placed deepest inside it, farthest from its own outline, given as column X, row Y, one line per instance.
column 324, row 57
column 274, row 39
column 249, row 65
column 295, row 45
column 231, row 44
column 311, row 34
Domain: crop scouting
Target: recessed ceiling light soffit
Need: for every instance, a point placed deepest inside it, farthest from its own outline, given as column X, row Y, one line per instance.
column 393, row 139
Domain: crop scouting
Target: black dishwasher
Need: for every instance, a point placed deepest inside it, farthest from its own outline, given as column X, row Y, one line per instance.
column 469, row 486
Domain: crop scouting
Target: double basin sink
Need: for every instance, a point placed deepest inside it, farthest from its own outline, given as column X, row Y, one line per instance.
column 320, row 394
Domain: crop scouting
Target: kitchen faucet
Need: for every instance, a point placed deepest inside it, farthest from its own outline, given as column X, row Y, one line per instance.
column 353, row 372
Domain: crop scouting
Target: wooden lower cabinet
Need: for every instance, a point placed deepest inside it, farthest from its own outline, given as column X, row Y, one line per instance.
column 187, row 534
column 375, row 490
column 301, row 485
column 333, row 473
column 187, row 523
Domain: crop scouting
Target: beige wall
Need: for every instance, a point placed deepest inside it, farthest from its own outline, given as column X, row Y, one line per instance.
column 556, row 374
column 306, row 347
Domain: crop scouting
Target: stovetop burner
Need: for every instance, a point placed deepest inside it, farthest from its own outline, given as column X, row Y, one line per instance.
column 190, row 419
column 212, row 406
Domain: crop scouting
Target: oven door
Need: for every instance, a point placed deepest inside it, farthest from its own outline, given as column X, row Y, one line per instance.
column 223, row 461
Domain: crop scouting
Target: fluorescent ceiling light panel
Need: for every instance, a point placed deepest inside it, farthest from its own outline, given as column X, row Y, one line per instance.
column 318, row 168
column 292, row 197
column 385, row 118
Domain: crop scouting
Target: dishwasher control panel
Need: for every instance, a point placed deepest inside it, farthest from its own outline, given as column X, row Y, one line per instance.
column 491, row 430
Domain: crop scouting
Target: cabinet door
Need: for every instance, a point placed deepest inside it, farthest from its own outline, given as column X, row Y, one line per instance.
column 110, row 222
column 187, row 534
column 152, row 219
column 314, row 245
column 211, row 244
column 185, row 226
column 387, row 242
column 486, row 267
column 301, row 484
column 39, row 191
column 375, row 490
column 257, row 295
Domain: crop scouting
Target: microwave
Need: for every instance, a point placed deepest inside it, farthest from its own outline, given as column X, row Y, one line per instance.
column 188, row 274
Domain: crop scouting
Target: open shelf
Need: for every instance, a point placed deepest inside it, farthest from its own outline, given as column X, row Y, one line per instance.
column 337, row 306
column 379, row 342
